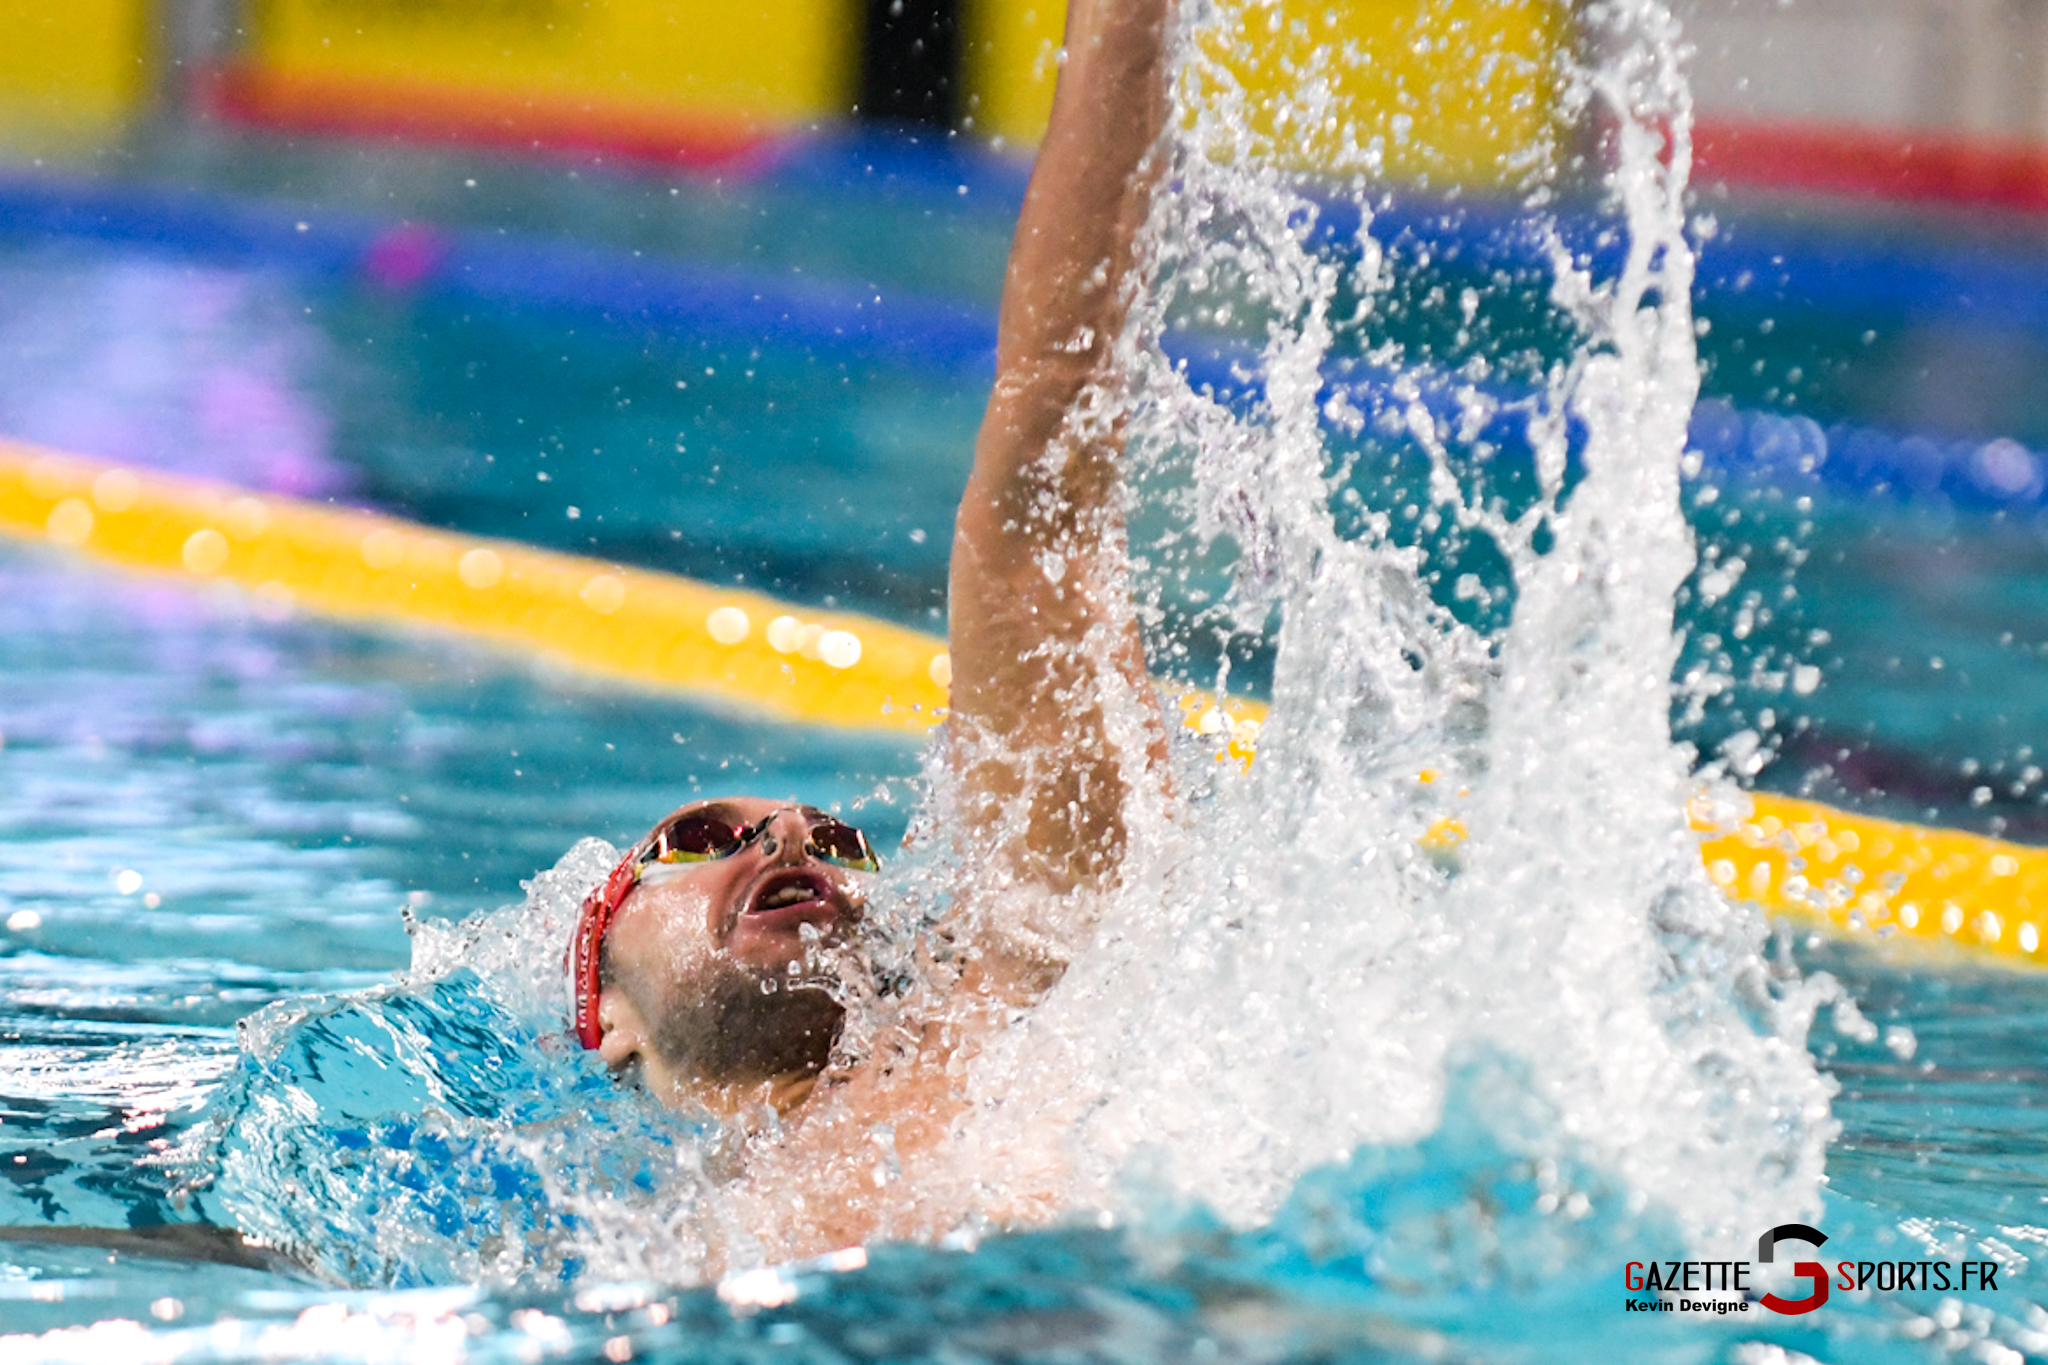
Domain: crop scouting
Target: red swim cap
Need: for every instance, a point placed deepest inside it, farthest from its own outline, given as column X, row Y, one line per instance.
column 586, row 947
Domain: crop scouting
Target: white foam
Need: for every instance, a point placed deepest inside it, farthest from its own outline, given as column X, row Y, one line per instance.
column 1288, row 969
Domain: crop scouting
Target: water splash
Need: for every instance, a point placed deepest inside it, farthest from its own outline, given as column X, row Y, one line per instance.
column 1300, row 954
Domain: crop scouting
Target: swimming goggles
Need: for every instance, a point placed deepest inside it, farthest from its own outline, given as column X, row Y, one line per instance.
column 690, row 836
column 701, row 837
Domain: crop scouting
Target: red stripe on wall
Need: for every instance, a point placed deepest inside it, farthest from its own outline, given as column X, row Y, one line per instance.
column 1873, row 164
column 1864, row 163
column 351, row 107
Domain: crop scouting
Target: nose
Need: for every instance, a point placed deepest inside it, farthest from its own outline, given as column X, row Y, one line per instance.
column 785, row 838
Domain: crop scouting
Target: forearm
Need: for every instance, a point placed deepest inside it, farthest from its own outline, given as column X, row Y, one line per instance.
column 1042, row 628
column 1044, row 478
column 1063, row 294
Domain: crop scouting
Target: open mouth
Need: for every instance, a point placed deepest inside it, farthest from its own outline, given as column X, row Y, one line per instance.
column 781, row 913
column 793, row 896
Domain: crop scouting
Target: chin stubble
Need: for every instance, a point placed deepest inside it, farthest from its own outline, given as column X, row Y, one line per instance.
column 730, row 1025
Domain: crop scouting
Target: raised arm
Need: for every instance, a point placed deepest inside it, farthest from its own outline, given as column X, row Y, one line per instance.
column 1055, row 725
column 1045, row 647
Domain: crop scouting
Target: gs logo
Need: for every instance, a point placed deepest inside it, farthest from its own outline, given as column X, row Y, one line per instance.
column 1811, row 1271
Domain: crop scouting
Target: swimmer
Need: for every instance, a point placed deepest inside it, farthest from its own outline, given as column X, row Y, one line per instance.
column 671, row 953
column 694, row 966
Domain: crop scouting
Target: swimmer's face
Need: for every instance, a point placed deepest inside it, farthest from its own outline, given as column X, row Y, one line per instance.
column 757, row 904
column 695, row 939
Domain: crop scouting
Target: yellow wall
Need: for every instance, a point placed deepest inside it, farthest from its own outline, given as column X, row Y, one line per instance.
column 69, row 68
column 766, row 61
column 1007, row 49
column 1474, row 76
column 1451, row 89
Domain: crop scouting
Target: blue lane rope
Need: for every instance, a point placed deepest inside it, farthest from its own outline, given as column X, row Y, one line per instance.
column 750, row 307
column 958, row 338
column 1734, row 446
column 1894, row 277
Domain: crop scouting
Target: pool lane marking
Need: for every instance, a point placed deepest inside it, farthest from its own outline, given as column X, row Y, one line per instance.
column 633, row 625
column 1855, row 875
column 733, row 305
column 713, row 302
column 1876, row 879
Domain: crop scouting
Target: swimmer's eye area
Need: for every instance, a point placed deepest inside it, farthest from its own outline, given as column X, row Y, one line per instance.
column 692, row 837
column 701, row 837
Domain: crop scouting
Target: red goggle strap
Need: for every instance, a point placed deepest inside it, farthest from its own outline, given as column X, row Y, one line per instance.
column 585, row 948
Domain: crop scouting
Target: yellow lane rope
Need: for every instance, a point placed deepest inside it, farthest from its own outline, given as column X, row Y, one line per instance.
column 648, row 628
column 1852, row 874
column 1881, row 879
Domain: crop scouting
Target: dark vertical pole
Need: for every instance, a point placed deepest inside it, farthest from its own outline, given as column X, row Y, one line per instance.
column 910, row 62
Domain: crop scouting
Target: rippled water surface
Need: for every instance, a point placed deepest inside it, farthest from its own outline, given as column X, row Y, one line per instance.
column 1335, row 1095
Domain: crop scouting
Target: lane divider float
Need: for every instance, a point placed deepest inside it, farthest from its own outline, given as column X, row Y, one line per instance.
column 1861, row 876
column 634, row 625
column 1847, row 873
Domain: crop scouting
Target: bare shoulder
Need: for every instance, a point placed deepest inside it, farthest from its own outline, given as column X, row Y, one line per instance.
column 880, row 1152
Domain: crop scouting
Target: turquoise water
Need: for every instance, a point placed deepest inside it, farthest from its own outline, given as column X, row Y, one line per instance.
column 210, row 813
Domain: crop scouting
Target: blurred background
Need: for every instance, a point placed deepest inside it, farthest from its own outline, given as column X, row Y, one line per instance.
column 710, row 288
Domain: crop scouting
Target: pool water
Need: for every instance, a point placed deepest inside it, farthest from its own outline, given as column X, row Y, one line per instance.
column 213, row 814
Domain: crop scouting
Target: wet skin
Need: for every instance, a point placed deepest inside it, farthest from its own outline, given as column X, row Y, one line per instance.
column 1041, row 662
column 694, row 941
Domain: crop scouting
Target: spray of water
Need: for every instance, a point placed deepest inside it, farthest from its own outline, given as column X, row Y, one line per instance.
column 1299, row 952
column 1459, row 842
